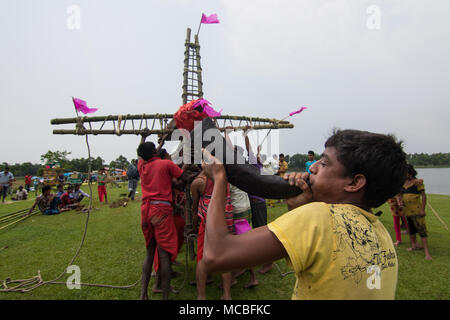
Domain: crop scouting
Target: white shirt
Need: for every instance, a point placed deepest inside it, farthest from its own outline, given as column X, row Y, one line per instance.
column 76, row 194
column 239, row 199
column 21, row 194
column 5, row 178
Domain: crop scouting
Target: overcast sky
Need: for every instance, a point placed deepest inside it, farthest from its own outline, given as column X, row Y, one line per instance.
column 381, row 66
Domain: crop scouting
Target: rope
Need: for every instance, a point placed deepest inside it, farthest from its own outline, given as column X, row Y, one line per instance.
column 119, row 120
column 186, row 269
column 281, row 273
column 30, row 284
column 437, row 216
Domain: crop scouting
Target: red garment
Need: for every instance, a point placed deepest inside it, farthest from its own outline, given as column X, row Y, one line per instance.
column 200, row 240
column 186, row 115
column 27, row 179
column 178, row 219
column 157, row 222
column 156, row 178
column 203, row 204
column 65, row 200
column 101, row 192
column 205, row 199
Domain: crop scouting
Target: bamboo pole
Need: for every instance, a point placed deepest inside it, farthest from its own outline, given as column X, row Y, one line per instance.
column 186, row 66
column 160, row 131
column 58, row 121
column 199, row 68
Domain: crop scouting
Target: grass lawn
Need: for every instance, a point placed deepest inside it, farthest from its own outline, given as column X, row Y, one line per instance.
column 114, row 251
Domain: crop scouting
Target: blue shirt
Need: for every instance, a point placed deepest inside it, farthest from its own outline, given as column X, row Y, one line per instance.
column 309, row 164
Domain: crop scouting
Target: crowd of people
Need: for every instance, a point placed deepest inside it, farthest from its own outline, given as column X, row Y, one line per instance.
column 330, row 236
column 63, row 200
column 335, row 243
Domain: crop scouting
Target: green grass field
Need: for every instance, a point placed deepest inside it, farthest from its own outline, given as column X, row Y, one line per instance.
column 113, row 253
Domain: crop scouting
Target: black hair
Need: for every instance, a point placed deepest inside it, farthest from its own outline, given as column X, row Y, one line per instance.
column 311, row 152
column 282, row 155
column 45, row 188
column 146, row 150
column 411, row 171
column 60, row 185
column 6, row 168
column 380, row 158
column 163, row 153
column 69, row 187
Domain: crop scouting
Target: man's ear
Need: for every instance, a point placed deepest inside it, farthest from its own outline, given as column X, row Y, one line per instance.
column 356, row 184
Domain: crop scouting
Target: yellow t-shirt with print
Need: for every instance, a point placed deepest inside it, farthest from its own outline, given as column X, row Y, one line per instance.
column 338, row 251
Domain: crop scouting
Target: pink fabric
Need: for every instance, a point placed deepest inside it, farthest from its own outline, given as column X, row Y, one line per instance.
column 81, row 105
column 196, row 110
column 298, row 111
column 241, row 226
column 211, row 19
column 206, row 106
column 398, row 233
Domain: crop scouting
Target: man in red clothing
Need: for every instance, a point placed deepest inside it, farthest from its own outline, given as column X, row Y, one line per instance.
column 156, row 213
column 27, row 182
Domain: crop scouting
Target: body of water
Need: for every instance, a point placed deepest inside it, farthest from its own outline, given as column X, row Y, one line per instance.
column 436, row 180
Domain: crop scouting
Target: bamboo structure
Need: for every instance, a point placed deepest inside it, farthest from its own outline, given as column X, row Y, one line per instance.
column 146, row 124
column 163, row 124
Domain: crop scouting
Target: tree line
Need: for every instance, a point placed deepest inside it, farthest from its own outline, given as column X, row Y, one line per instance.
column 297, row 162
column 61, row 160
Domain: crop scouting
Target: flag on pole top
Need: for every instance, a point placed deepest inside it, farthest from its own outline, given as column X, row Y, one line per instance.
column 209, row 19
column 80, row 105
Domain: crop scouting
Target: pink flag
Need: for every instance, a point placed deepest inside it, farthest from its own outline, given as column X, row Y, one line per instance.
column 298, row 111
column 211, row 19
column 206, row 106
column 81, row 105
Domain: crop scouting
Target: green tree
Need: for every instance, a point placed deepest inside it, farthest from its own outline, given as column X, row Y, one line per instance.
column 97, row 163
column 121, row 162
column 52, row 157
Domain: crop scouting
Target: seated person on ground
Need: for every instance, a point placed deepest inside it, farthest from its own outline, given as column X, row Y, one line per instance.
column 77, row 195
column 21, row 194
column 66, row 202
column 47, row 202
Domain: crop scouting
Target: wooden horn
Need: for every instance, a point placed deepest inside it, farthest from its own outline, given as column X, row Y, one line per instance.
column 239, row 172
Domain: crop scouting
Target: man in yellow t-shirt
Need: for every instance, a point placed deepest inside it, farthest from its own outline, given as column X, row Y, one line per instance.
column 337, row 247
column 283, row 165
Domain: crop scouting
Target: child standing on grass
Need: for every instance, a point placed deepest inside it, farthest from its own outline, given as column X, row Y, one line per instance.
column 413, row 201
column 397, row 213
column 101, row 187
column 201, row 189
